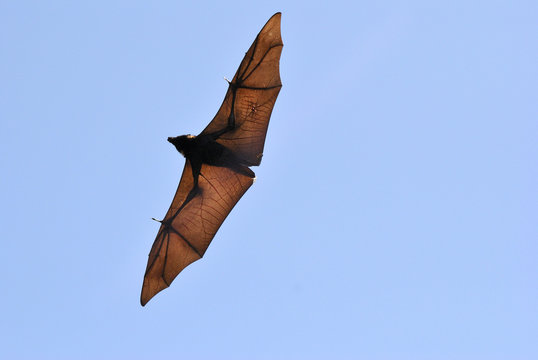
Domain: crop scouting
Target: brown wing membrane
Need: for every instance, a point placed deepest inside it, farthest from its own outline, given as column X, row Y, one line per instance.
column 251, row 95
column 240, row 125
column 187, row 230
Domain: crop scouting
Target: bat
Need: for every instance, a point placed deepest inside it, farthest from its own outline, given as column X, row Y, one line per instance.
column 217, row 161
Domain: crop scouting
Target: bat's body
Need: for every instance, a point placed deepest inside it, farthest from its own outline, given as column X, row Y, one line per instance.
column 204, row 149
column 216, row 172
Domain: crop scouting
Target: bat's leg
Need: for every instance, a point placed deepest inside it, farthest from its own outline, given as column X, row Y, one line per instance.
column 196, row 166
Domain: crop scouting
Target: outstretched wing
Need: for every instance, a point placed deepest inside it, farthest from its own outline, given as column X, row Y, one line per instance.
column 250, row 97
column 189, row 226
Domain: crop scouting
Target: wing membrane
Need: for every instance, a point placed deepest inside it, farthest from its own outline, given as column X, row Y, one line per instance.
column 251, row 96
column 189, row 226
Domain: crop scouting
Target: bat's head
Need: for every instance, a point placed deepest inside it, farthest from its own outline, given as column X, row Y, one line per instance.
column 182, row 143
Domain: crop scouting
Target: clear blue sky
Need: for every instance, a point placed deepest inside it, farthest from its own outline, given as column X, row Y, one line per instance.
column 395, row 211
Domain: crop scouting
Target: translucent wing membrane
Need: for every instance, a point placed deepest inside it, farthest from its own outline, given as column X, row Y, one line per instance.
column 240, row 125
column 251, row 96
column 188, row 227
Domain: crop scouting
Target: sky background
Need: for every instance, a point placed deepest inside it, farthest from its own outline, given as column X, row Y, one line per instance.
column 395, row 211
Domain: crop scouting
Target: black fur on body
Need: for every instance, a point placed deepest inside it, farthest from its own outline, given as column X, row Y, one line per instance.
column 203, row 149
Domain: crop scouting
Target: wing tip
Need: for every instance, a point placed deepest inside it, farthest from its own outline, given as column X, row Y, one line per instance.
column 152, row 287
column 145, row 297
column 274, row 21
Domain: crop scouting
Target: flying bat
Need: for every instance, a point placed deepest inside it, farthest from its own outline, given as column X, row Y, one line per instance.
column 217, row 161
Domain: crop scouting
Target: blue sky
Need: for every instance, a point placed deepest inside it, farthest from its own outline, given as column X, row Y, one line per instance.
column 394, row 215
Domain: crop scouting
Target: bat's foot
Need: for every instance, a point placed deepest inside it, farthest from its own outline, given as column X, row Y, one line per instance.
column 157, row 220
